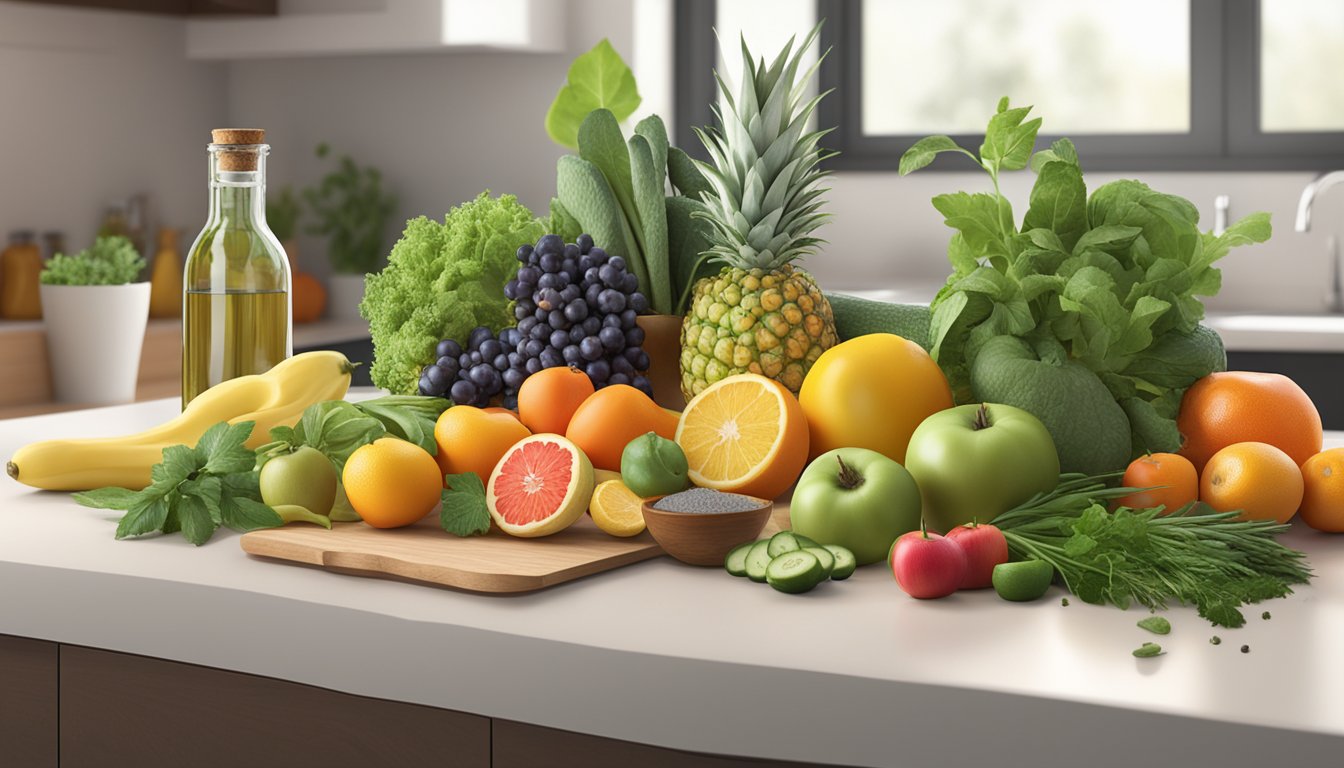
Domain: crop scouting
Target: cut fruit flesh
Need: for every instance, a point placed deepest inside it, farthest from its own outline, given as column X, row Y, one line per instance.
column 739, row 435
column 616, row 509
column 541, row 486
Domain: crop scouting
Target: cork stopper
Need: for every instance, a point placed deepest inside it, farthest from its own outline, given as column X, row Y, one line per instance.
column 246, row 139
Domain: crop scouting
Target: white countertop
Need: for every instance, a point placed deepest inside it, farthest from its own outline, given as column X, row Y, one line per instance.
column 852, row 673
column 1241, row 330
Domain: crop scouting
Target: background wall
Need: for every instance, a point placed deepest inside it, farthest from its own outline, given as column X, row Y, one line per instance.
column 96, row 106
column 100, row 105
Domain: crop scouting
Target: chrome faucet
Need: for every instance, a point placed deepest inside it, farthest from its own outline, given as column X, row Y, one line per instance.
column 1335, row 298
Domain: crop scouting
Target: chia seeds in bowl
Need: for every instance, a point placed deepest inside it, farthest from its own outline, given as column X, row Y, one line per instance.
column 706, row 501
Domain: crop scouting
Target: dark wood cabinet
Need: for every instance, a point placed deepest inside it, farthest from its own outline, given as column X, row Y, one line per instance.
column 28, row 705
column 71, row 706
column 119, row 709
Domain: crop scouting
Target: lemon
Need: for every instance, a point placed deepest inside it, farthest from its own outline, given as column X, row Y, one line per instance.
column 616, row 509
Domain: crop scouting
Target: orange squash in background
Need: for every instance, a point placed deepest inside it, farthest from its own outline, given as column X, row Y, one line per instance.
column 308, row 296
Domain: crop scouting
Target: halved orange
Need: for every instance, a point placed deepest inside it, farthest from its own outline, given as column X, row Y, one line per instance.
column 744, row 434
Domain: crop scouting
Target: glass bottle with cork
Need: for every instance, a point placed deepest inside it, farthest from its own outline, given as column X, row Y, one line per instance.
column 236, row 314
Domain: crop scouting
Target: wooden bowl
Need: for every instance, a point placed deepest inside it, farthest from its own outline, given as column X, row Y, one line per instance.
column 704, row 538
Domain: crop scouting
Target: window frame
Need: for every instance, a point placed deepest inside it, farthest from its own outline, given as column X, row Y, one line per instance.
column 1224, row 131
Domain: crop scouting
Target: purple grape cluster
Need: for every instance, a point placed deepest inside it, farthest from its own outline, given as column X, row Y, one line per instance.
column 575, row 305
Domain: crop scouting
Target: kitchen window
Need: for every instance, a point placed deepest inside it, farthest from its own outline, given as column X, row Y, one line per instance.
column 1145, row 84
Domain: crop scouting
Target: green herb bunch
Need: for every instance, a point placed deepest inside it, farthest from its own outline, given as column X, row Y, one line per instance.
column 110, row 260
column 194, row 490
column 282, row 213
column 1193, row 556
column 1094, row 298
column 352, row 210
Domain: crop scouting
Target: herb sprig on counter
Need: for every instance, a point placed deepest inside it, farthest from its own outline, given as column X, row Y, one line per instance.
column 194, row 490
column 1211, row 560
column 464, row 511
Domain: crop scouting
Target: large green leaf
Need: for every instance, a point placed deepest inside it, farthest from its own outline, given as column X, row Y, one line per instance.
column 583, row 191
column 1058, row 204
column 687, row 248
column 598, row 79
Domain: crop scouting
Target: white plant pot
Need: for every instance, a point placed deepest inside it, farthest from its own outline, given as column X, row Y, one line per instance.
column 345, row 292
column 94, row 337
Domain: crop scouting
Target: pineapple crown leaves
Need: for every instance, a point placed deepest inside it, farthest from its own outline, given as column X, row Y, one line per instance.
column 765, row 199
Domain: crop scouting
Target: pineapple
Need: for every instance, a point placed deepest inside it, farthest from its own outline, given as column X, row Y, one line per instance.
column 760, row 314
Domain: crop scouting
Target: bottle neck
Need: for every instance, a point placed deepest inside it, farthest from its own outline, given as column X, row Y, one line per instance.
column 238, row 187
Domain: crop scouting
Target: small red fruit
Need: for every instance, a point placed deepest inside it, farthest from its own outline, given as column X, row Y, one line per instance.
column 985, row 547
column 927, row 565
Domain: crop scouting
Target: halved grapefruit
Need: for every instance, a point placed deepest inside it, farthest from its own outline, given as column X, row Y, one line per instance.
column 541, row 486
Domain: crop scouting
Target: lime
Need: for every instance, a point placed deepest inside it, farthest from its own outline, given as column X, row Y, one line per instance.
column 653, row 466
column 1024, row 580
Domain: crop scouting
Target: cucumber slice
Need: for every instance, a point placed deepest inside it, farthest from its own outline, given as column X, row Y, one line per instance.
column 795, row 572
column 803, row 541
column 844, row 562
column 758, row 557
column 824, row 555
column 782, row 542
column 736, row 561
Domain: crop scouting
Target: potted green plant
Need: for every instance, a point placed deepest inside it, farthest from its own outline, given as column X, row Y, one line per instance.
column 350, row 208
column 95, row 318
column 283, row 212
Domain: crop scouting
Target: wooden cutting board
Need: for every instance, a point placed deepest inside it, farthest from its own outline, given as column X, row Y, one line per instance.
column 495, row 563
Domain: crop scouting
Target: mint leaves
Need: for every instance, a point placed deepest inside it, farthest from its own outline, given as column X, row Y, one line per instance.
column 464, row 512
column 194, row 490
column 598, row 79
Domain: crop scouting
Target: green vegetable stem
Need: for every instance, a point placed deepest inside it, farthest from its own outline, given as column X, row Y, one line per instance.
column 1103, row 288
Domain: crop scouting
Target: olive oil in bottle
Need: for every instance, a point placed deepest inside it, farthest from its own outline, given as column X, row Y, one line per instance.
column 236, row 315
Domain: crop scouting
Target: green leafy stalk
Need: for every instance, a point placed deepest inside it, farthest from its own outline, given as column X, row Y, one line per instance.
column 1210, row 560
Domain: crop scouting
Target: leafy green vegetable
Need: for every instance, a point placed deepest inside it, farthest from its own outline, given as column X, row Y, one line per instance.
column 352, row 210
column 335, row 427
column 464, row 512
column 598, row 79
column 194, row 490
column 1194, row 557
column 441, row 281
column 1110, row 282
column 1156, row 624
column 409, row 417
column 615, row 190
column 110, row 261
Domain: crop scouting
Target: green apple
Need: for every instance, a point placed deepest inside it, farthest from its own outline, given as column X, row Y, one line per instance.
column 304, row 478
column 855, row 498
column 974, row 462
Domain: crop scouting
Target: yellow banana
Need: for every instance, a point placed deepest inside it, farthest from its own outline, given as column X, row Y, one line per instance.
column 277, row 397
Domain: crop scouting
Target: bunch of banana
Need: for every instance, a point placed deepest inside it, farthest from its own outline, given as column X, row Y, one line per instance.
column 277, row 397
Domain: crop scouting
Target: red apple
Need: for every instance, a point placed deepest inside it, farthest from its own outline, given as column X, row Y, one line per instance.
column 985, row 548
column 927, row 565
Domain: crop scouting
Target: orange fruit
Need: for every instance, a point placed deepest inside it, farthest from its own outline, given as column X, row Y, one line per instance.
column 871, row 392
column 392, row 483
column 1241, row 406
column 1257, row 479
column 548, row 398
column 471, row 439
column 1323, row 492
column 744, row 434
column 308, row 297
column 1173, row 479
column 612, row 417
